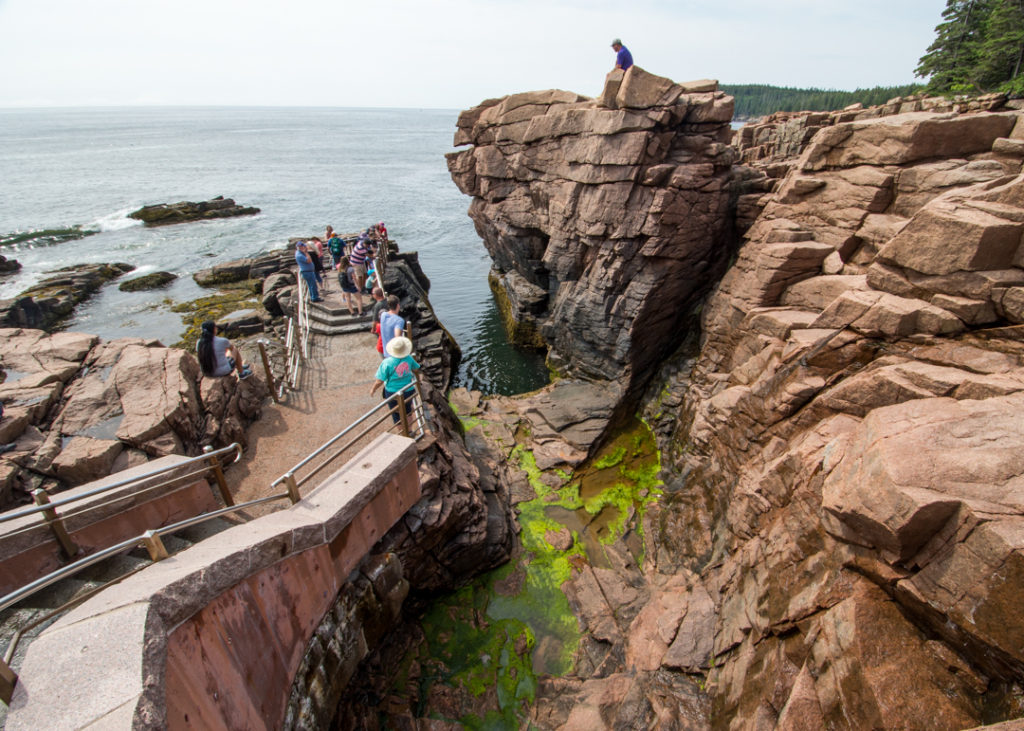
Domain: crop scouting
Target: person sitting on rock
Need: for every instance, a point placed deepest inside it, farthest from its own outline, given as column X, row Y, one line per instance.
column 217, row 356
column 623, row 58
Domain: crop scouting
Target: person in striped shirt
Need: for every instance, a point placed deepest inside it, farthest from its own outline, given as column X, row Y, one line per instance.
column 357, row 260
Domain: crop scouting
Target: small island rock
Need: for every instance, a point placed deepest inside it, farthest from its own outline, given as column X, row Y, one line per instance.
column 154, row 280
column 166, row 213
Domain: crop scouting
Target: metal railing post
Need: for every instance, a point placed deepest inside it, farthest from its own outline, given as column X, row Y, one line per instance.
column 293, row 489
column 218, row 476
column 8, row 679
column 56, row 524
column 403, row 414
column 266, row 369
column 155, row 545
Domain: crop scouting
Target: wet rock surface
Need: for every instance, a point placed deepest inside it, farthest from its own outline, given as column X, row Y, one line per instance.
column 185, row 211
column 44, row 305
column 155, row 280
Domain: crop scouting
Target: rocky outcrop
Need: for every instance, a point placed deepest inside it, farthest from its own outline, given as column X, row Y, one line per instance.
column 598, row 211
column 153, row 280
column 77, row 408
column 185, row 211
column 847, row 437
column 44, row 305
column 8, row 266
column 840, row 537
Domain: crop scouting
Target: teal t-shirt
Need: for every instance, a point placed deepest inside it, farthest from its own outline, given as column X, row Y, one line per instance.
column 396, row 372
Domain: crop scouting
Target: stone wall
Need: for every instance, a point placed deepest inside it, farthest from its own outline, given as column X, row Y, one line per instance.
column 215, row 636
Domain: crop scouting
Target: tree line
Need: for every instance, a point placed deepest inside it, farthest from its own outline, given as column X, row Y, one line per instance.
column 758, row 100
column 978, row 48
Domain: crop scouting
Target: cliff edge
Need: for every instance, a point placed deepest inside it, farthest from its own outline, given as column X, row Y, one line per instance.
column 841, row 534
column 600, row 212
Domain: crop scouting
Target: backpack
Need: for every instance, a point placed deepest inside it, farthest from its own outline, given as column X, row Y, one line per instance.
column 336, row 246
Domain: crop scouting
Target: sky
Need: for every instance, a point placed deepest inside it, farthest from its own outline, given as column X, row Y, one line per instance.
column 445, row 54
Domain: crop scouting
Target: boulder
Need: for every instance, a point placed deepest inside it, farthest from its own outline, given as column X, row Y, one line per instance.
column 167, row 213
column 875, row 314
column 154, row 280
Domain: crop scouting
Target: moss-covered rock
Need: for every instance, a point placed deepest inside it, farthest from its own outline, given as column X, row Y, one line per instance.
column 155, row 280
column 214, row 307
column 49, row 302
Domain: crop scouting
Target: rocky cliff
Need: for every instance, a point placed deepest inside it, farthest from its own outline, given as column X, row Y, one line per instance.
column 598, row 212
column 841, row 536
column 77, row 408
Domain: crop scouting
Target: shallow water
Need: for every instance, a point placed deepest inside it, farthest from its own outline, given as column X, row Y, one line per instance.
column 304, row 168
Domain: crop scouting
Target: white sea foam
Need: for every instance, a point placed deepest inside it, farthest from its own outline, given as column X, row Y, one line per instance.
column 114, row 222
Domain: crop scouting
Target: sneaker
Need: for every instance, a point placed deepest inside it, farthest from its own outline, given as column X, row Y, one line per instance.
column 246, row 372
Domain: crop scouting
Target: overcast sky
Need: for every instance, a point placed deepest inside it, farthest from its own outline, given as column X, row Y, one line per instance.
column 447, row 54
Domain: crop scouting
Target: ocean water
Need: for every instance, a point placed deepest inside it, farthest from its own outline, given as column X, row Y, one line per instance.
column 304, row 168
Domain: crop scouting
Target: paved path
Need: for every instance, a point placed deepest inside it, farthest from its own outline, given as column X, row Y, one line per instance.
column 334, row 391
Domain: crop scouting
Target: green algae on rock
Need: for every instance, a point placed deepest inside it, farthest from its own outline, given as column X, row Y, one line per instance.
column 211, row 308
column 491, row 641
column 153, row 280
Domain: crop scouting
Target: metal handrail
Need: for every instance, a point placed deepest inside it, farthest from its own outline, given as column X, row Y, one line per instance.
column 235, row 447
column 401, row 409
column 147, row 538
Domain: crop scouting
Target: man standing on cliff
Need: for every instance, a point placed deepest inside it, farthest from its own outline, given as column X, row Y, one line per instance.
column 623, row 58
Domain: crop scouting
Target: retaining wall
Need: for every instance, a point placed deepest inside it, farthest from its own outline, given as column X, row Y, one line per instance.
column 213, row 637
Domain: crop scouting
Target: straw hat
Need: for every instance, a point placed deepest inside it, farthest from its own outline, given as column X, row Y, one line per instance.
column 399, row 347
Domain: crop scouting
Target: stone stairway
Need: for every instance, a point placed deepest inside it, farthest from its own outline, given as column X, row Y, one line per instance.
column 99, row 575
column 331, row 317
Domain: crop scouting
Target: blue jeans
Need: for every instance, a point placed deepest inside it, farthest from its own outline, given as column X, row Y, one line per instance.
column 410, row 401
column 310, row 278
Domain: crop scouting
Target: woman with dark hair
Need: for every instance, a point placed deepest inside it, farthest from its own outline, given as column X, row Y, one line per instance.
column 217, row 356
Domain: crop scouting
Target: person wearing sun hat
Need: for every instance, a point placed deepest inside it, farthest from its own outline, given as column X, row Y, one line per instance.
column 395, row 373
column 623, row 58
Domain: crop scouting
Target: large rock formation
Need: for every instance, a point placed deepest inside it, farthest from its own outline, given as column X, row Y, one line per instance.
column 597, row 212
column 848, row 437
column 840, row 540
column 77, row 408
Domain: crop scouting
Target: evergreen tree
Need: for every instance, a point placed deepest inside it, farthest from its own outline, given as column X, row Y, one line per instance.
column 979, row 47
column 950, row 59
column 1001, row 61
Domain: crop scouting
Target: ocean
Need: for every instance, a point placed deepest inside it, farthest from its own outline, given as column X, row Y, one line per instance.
column 303, row 167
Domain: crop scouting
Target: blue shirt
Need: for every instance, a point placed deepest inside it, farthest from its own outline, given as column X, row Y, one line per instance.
column 305, row 264
column 396, row 372
column 624, row 59
column 388, row 322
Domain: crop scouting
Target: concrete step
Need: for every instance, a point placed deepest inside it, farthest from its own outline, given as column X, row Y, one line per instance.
column 340, row 328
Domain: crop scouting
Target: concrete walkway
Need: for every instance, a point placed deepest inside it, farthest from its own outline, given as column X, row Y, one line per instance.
column 334, row 391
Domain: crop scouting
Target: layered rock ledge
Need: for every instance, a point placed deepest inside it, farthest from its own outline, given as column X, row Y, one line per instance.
column 840, row 540
column 597, row 212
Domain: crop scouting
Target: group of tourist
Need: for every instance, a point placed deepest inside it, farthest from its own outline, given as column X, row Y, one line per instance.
column 354, row 263
column 353, row 260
